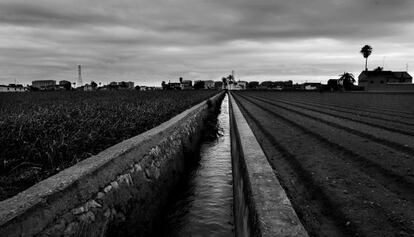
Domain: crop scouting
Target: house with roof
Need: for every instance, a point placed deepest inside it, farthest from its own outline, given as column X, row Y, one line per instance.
column 186, row 84
column 12, row 88
column 386, row 81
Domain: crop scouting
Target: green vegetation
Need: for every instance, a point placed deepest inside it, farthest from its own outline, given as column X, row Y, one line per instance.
column 43, row 133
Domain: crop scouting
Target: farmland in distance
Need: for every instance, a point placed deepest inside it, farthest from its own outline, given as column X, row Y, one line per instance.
column 345, row 159
column 44, row 133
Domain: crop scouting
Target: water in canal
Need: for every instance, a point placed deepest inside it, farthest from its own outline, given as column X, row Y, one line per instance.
column 204, row 205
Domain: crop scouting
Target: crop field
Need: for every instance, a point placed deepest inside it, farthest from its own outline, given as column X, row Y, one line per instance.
column 43, row 133
column 346, row 160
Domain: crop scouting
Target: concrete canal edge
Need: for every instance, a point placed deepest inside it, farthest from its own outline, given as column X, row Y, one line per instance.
column 116, row 192
column 261, row 205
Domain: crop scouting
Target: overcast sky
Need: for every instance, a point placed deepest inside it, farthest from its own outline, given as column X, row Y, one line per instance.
column 147, row 41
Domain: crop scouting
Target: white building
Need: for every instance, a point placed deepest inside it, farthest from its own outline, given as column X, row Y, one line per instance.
column 382, row 81
column 10, row 88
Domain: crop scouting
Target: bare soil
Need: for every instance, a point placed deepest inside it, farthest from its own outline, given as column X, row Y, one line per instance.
column 345, row 159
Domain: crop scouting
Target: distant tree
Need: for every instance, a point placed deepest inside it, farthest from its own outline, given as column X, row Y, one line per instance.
column 253, row 84
column 94, row 85
column 333, row 84
column 198, row 85
column 379, row 69
column 113, row 86
column 123, row 84
column 347, row 80
column 366, row 51
column 67, row 86
column 224, row 82
column 32, row 88
column 230, row 79
column 268, row 84
column 137, row 87
column 164, row 85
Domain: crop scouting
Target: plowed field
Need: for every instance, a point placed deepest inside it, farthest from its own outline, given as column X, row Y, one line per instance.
column 346, row 160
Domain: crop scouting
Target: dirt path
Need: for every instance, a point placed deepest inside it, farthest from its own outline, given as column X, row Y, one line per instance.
column 342, row 182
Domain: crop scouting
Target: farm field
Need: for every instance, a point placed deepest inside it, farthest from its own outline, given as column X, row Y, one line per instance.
column 44, row 133
column 346, row 160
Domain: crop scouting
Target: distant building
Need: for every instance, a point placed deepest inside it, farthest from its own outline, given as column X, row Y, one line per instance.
column 311, row 86
column 149, row 88
column 126, row 85
column 386, row 81
column 209, row 84
column 282, row 85
column 12, row 88
column 276, row 85
column 242, row 84
column 186, row 85
column 230, row 83
column 88, row 87
column 44, row 84
column 174, row 86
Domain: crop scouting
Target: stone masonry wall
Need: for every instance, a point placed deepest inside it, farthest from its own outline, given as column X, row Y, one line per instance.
column 117, row 192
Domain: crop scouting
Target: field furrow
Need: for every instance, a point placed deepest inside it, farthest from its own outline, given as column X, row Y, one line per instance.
column 372, row 159
column 390, row 138
column 372, row 117
column 337, row 180
column 393, row 104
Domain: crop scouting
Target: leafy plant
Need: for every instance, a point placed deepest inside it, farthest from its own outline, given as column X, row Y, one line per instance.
column 44, row 133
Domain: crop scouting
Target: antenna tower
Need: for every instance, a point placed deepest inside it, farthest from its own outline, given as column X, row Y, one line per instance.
column 80, row 75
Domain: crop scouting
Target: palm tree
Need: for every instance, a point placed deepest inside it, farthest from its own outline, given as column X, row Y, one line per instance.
column 347, row 80
column 366, row 51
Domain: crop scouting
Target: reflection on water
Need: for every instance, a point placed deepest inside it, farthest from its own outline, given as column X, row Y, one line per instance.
column 204, row 206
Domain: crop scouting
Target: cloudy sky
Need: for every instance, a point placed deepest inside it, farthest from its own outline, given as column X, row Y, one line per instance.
column 147, row 41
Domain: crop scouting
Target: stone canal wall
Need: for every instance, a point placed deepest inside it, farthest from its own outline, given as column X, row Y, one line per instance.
column 116, row 192
column 261, row 206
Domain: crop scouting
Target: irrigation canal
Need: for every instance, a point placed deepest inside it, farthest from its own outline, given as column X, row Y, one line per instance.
column 204, row 205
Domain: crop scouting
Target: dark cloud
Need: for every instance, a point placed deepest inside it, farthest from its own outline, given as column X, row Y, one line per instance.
column 147, row 41
column 51, row 14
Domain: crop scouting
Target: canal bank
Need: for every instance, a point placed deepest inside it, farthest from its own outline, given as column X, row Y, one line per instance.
column 232, row 190
column 261, row 206
column 203, row 205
